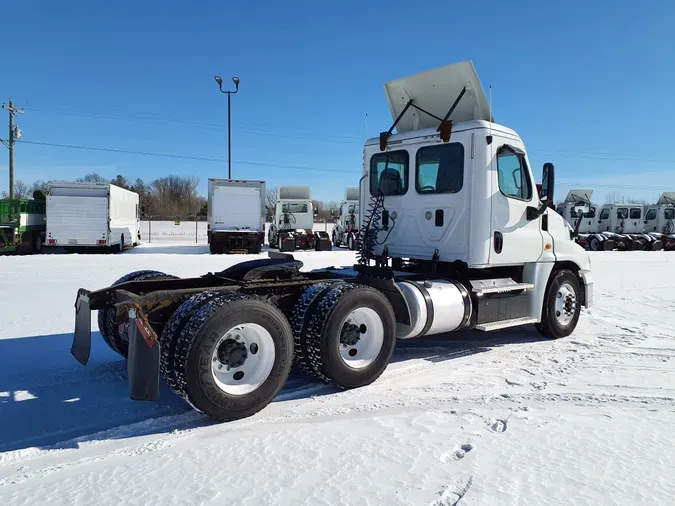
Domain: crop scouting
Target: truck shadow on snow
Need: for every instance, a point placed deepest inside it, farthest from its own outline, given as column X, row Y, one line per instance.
column 49, row 401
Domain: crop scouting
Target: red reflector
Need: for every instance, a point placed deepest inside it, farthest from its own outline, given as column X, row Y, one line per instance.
column 101, row 242
column 52, row 242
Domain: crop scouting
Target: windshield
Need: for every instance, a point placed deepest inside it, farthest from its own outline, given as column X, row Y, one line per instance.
column 294, row 208
column 353, row 208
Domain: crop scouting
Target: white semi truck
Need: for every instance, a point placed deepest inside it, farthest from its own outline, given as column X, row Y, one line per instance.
column 453, row 236
column 84, row 216
column 292, row 225
column 236, row 216
column 346, row 228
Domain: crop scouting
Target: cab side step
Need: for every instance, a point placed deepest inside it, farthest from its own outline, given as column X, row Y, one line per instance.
column 514, row 322
column 498, row 285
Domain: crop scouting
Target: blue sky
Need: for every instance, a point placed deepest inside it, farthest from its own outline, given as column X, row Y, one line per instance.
column 588, row 85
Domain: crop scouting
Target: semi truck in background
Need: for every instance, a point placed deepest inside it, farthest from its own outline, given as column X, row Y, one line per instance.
column 346, row 228
column 236, row 216
column 292, row 226
column 22, row 224
column 86, row 216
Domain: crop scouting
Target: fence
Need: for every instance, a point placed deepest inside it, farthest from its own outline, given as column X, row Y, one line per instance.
column 191, row 230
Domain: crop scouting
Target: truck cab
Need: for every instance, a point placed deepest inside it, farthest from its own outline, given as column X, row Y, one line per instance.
column 620, row 219
column 660, row 218
column 452, row 189
column 345, row 230
column 577, row 205
column 293, row 221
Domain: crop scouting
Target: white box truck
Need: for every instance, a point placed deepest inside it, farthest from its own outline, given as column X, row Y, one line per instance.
column 236, row 216
column 92, row 215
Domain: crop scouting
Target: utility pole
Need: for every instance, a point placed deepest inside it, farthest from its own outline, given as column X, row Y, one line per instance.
column 12, row 111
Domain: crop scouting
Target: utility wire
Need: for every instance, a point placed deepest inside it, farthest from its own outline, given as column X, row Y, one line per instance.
column 188, row 157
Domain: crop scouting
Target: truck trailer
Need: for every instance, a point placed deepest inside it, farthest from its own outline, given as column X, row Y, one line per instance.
column 452, row 236
column 22, row 224
column 92, row 216
column 236, row 216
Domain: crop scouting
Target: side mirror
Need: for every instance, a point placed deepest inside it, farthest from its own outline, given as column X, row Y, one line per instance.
column 547, row 182
column 332, row 211
column 142, row 209
column 316, row 211
column 267, row 212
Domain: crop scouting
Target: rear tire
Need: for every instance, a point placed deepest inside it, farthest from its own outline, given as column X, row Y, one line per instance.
column 300, row 318
column 350, row 336
column 117, row 342
column 595, row 244
column 271, row 239
column 37, row 243
column 351, row 241
column 231, row 357
column 214, row 248
column 562, row 305
column 336, row 239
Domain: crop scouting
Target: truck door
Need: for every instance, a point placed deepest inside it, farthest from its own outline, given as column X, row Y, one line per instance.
column 604, row 220
column 650, row 220
column 515, row 239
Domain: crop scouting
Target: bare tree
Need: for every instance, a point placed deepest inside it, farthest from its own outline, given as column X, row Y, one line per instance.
column 272, row 197
column 176, row 196
column 39, row 185
column 21, row 191
column 612, row 197
column 92, row 177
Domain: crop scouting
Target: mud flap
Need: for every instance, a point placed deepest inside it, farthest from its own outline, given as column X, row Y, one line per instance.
column 81, row 347
column 287, row 243
column 322, row 241
column 143, row 361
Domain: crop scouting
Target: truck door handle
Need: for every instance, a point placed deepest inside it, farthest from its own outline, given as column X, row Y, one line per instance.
column 498, row 242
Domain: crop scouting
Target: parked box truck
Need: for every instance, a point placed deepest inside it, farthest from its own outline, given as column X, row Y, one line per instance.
column 236, row 216
column 92, row 215
column 22, row 224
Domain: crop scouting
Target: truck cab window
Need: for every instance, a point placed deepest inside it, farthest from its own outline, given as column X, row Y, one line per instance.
column 514, row 180
column 651, row 215
column 635, row 213
column 294, row 208
column 440, row 169
column 389, row 173
column 622, row 213
column 669, row 214
column 591, row 212
column 604, row 214
column 560, row 210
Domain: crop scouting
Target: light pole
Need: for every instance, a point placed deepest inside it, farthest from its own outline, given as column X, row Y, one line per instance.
column 235, row 80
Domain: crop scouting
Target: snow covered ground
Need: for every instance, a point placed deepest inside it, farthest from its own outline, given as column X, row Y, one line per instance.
column 500, row 419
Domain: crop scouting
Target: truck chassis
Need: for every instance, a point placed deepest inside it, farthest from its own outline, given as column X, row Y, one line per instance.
column 255, row 319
